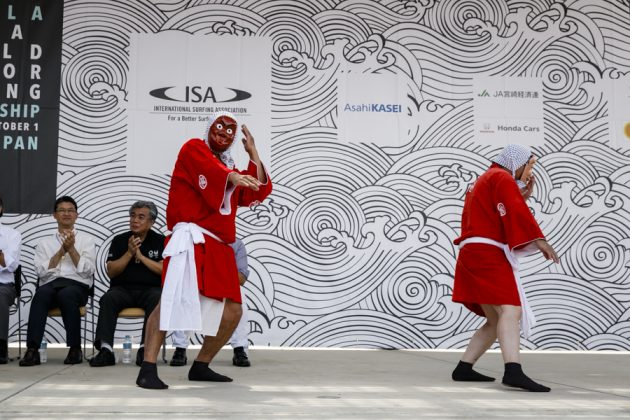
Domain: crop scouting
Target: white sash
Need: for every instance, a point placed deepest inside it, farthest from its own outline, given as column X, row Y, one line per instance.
column 181, row 306
column 528, row 320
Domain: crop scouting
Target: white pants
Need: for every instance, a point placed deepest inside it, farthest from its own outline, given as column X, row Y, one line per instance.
column 238, row 339
column 239, row 336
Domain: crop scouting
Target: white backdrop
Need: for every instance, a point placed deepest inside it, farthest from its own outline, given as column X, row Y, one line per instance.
column 354, row 247
column 199, row 74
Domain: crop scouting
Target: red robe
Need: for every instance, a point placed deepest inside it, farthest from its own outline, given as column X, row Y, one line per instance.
column 196, row 195
column 494, row 208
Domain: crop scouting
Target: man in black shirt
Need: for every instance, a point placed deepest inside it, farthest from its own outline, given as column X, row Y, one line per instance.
column 134, row 265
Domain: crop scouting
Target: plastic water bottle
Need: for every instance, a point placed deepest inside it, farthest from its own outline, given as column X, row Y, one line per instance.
column 43, row 355
column 126, row 358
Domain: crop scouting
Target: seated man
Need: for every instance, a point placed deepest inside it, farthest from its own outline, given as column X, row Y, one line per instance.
column 64, row 263
column 10, row 241
column 134, row 265
column 238, row 341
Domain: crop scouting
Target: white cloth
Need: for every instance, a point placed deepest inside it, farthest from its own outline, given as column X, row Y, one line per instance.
column 239, row 336
column 513, row 156
column 10, row 245
column 83, row 272
column 181, row 306
column 528, row 320
column 211, row 315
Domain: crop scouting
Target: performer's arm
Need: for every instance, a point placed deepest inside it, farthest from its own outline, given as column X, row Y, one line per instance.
column 519, row 224
column 547, row 250
column 250, row 148
column 205, row 172
column 256, row 170
column 529, row 188
column 252, row 180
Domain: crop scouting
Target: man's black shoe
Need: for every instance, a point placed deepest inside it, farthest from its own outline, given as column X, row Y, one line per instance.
column 104, row 358
column 179, row 357
column 31, row 358
column 240, row 357
column 140, row 356
column 74, row 357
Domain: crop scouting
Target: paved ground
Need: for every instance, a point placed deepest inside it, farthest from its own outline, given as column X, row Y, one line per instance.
column 323, row 384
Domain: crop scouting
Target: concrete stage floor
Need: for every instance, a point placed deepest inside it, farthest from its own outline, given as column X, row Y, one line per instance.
column 322, row 384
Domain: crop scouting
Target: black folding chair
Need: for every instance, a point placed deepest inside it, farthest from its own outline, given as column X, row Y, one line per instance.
column 139, row 313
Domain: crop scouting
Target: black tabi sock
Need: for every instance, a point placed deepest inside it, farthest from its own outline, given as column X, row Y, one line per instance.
column 148, row 377
column 515, row 377
column 465, row 373
column 199, row 371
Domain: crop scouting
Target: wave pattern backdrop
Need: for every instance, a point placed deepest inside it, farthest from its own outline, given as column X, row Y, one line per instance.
column 354, row 247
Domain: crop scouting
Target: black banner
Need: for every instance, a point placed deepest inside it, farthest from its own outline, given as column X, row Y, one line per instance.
column 30, row 64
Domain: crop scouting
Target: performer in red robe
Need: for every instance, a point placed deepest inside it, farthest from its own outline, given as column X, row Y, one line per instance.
column 201, row 286
column 496, row 225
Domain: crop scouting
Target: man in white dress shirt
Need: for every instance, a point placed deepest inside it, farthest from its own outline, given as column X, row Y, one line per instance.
column 64, row 263
column 10, row 241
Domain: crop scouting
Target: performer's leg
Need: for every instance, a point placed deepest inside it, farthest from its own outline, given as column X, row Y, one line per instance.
column 148, row 377
column 200, row 371
column 211, row 345
column 510, row 339
column 484, row 337
column 479, row 343
column 508, row 331
column 154, row 337
column 148, row 299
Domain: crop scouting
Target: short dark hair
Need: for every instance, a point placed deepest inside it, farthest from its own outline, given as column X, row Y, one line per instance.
column 145, row 204
column 66, row 199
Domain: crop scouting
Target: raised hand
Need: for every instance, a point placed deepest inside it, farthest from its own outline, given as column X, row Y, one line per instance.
column 248, row 143
column 529, row 188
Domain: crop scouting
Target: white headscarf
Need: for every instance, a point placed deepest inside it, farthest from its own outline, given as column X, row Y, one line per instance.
column 513, row 156
column 226, row 157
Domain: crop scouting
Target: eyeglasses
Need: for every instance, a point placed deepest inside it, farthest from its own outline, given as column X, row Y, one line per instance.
column 66, row 211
